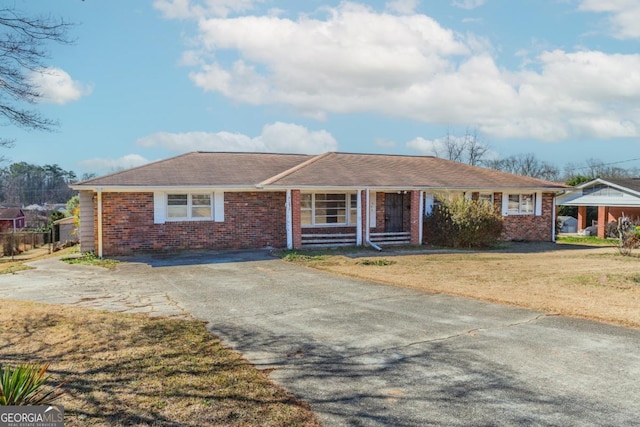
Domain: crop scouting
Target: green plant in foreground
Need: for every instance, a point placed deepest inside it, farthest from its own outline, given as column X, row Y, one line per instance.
column 24, row 385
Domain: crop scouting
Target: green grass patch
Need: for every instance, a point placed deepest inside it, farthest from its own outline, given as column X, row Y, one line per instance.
column 89, row 258
column 587, row 240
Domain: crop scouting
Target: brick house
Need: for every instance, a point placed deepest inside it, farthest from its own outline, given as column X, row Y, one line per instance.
column 11, row 219
column 611, row 196
column 204, row 200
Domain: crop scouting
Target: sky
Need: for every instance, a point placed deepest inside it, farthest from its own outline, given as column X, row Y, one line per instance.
column 146, row 80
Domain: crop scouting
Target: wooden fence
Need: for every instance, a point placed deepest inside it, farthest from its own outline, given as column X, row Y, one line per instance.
column 15, row 243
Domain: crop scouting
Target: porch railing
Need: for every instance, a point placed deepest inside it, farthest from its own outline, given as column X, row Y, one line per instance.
column 328, row 240
column 389, row 238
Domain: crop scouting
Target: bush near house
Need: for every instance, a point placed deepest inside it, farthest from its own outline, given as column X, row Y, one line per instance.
column 463, row 223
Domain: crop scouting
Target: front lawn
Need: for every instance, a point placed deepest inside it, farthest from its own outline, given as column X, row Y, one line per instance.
column 591, row 282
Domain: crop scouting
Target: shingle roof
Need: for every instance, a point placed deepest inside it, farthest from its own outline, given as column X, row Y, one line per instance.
column 375, row 170
column 630, row 183
column 326, row 170
column 203, row 168
column 10, row 213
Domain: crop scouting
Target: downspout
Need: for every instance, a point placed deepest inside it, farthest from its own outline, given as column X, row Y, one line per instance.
column 553, row 222
column 368, row 226
column 99, row 195
column 289, row 221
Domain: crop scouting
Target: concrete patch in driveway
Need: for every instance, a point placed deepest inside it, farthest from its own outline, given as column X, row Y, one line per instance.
column 373, row 355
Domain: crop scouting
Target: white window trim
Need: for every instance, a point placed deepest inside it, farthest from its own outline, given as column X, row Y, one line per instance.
column 348, row 200
column 505, row 204
column 160, row 207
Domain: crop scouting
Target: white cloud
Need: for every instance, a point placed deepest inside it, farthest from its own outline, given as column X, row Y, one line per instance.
column 57, row 87
column 99, row 166
column 341, row 64
column 275, row 138
column 185, row 9
column 403, row 6
column 467, row 4
column 358, row 60
column 624, row 15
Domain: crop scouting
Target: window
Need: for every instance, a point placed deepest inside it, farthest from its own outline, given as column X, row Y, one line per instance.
column 189, row 206
column 487, row 197
column 320, row 209
column 521, row 204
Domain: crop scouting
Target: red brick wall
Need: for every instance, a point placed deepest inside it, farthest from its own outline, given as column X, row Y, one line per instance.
column 616, row 212
column 529, row 227
column 415, row 216
column 296, row 218
column 251, row 220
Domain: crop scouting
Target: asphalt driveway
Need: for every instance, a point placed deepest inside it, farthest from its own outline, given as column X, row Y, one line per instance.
column 365, row 354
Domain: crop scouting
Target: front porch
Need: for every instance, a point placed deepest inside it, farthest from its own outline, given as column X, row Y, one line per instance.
column 360, row 217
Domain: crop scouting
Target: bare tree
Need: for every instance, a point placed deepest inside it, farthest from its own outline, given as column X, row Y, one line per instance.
column 526, row 165
column 466, row 149
column 474, row 147
column 22, row 52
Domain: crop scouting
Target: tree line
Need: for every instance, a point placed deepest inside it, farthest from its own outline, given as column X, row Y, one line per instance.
column 471, row 150
column 23, row 184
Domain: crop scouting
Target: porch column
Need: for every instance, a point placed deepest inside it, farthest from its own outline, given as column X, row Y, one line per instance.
column 99, row 196
column 421, row 212
column 582, row 217
column 359, row 218
column 415, row 218
column 603, row 215
column 289, row 225
column 296, row 220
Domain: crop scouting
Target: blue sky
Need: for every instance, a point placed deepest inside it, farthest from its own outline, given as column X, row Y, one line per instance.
column 147, row 80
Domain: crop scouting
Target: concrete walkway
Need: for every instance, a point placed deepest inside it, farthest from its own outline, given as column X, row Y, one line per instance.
column 364, row 354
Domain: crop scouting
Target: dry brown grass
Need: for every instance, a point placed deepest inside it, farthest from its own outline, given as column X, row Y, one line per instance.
column 132, row 370
column 586, row 282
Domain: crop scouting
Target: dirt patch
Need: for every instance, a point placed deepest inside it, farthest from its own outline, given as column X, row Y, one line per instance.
column 586, row 282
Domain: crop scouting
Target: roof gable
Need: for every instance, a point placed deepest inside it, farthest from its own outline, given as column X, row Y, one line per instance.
column 604, row 192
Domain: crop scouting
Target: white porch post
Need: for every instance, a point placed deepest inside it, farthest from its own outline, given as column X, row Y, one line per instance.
column 359, row 218
column 289, row 221
column 99, row 222
column 421, row 217
column 367, row 230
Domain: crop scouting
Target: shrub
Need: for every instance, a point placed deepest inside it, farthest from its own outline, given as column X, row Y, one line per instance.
column 463, row 223
column 24, row 385
column 629, row 236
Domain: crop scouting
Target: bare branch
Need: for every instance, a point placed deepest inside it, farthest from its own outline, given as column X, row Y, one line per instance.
column 22, row 52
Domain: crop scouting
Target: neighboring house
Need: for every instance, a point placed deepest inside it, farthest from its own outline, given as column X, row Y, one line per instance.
column 65, row 230
column 204, row 200
column 11, row 219
column 613, row 197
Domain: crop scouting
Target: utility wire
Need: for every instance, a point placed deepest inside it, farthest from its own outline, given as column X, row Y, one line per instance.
column 608, row 164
